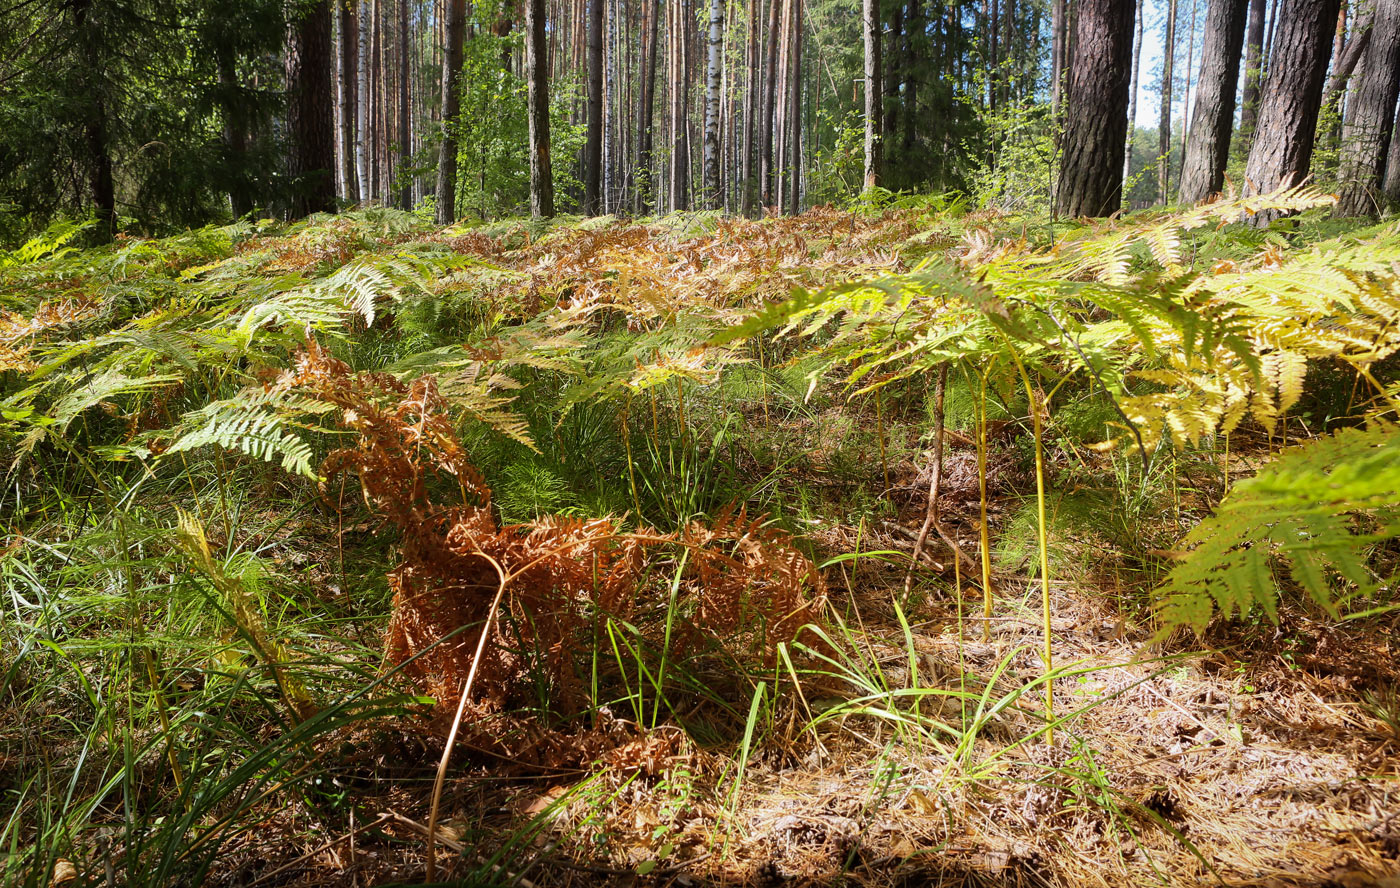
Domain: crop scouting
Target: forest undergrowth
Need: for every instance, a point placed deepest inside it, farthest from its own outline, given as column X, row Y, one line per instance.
column 892, row 544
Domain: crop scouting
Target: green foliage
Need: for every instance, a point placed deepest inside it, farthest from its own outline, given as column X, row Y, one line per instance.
column 1316, row 509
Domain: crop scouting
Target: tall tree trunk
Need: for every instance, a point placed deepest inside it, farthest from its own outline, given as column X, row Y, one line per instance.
column 537, row 97
column 349, row 99
column 1390, row 187
column 1208, row 149
column 235, row 135
column 1253, row 69
column 1132, row 99
column 1186, row 96
column 405, row 103
column 874, row 92
column 1346, row 61
column 768, row 121
column 1370, row 116
column 593, row 143
column 714, row 45
column 446, row 190
column 1283, row 144
column 914, row 70
column 363, row 146
column 795, row 113
column 1096, row 115
column 751, row 104
column 1164, row 122
column 1058, row 26
column 101, row 181
column 310, row 112
column 646, row 168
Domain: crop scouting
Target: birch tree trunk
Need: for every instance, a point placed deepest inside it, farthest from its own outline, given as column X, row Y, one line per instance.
column 874, row 92
column 712, row 83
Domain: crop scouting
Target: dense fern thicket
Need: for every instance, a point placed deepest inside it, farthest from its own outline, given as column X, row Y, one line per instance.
column 239, row 458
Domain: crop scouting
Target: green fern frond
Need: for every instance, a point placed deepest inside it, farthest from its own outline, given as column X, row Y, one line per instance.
column 1317, row 509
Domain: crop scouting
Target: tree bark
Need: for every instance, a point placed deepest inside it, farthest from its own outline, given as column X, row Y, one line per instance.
column 751, row 104
column 593, row 143
column 537, row 97
column 1057, row 57
column 714, row 45
column 1208, row 147
column 101, row 181
column 1253, row 69
column 310, row 113
column 795, row 113
column 1283, row 145
column 874, row 92
column 1132, row 101
column 768, row 121
column 405, row 103
column 363, row 145
column 349, row 97
column 1391, row 186
column 1096, row 115
column 1346, row 62
column 1370, row 116
column 446, row 190
column 1164, row 121
column 646, row 171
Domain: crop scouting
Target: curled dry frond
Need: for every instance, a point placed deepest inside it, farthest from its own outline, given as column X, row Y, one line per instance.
column 739, row 584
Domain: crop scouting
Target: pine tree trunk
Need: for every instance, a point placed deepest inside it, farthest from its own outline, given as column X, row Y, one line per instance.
column 1253, row 69
column 405, row 103
column 446, row 190
column 714, row 44
column 1096, row 113
column 1370, row 116
column 310, row 111
column 1164, row 122
column 646, row 169
column 1391, row 186
column 1132, row 101
column 1208, row 149
column 1057, row 57
column 768, row 119
column 751, row 104
column 1283, row 144
column 101, row 181
column 795, row 113
column 593, row 142
column 349, row 99
column 874, row 92
column 537, row 96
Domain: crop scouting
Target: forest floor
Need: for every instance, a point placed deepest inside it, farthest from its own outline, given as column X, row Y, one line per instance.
column 195, row 683
column 1256, row 761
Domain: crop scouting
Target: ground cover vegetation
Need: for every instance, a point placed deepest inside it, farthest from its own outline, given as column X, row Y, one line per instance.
column 894, row 541
column 614, row 441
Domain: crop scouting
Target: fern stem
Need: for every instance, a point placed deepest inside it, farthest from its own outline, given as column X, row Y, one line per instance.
column 983, row 530
column 880, row 430
column 1042, row 541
